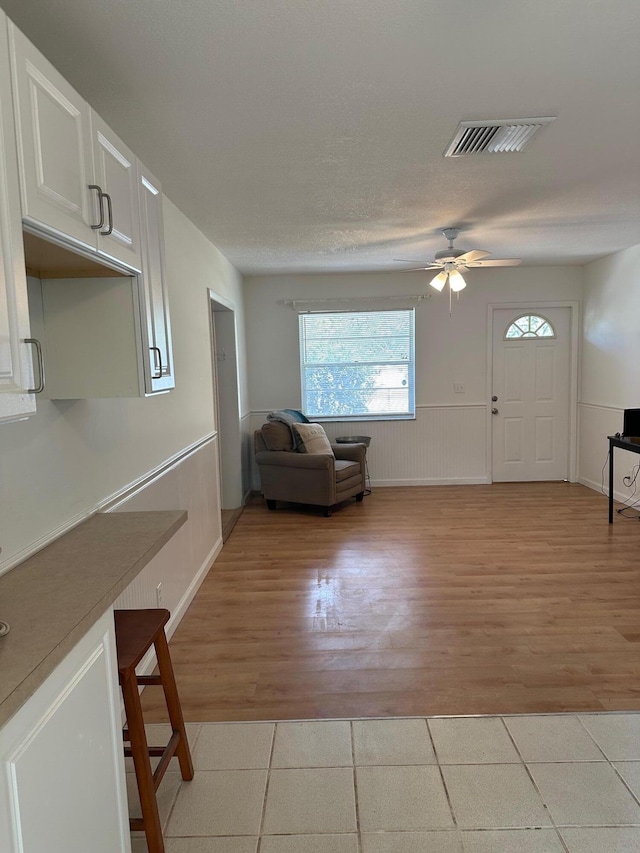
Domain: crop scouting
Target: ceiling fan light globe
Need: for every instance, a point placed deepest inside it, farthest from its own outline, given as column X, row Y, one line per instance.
column 439, row 281
column 456, row 281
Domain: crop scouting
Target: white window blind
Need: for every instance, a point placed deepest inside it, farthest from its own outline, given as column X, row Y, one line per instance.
column 358, row 364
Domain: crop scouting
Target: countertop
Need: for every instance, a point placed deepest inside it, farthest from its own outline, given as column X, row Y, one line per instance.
column 53, row 598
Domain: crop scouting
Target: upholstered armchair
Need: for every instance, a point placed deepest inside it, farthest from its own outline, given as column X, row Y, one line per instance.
column 321, row 479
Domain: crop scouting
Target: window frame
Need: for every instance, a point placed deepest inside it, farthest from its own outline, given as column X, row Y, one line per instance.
column 410, row 364
column 526, row 336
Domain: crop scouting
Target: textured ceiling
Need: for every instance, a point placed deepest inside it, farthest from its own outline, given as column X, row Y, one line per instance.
column 307, row 135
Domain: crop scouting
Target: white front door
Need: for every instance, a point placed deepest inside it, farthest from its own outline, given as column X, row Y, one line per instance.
column 531, row 395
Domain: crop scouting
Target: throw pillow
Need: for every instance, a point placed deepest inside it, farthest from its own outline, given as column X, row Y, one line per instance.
column 277, row 436
column 289, row 417
column 313, row 439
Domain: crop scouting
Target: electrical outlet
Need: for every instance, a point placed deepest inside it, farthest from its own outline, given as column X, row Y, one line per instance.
column 159, row 595
column 458, row 388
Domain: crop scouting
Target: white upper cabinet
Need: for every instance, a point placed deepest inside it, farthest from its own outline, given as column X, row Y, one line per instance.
column 16, row 374
column 116, row 175
column 73, row 182
column 78, row 180
column 54, row 146
column 154, row 306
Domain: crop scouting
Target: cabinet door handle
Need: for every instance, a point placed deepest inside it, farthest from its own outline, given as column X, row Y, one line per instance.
column 100, row 206
column 108, row 230
column 157, row 361
column 40, row 386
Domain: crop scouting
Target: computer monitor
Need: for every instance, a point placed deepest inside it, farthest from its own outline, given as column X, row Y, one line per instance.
column 631, row 423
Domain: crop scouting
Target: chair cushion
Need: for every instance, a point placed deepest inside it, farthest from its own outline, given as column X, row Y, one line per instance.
column 346, row 469
column 313, row 439
column 277, row 436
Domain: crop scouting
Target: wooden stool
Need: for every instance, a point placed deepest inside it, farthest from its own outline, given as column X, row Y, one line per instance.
column 136, row 632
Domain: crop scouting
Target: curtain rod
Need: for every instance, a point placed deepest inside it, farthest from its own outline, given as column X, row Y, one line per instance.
column 302, row 305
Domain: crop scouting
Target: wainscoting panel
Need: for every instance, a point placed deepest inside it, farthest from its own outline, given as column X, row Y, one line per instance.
column 189, row 483
column 444, row 445
column 595, row 423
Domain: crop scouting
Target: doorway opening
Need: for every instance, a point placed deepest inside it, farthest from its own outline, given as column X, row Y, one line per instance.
column 226, row 409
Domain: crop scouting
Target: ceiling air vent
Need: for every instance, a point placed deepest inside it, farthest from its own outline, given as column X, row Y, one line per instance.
column 499, row 136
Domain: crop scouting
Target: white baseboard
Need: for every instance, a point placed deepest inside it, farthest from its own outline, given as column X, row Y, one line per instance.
column 597, row 487
column 444, row 481
column 193, row 587
column 591, row 484
column 148, row 662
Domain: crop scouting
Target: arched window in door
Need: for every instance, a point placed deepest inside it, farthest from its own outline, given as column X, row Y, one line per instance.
column 530, row 326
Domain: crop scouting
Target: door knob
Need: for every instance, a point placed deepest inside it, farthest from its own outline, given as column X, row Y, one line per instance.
column 494, row 399
column 494, row 411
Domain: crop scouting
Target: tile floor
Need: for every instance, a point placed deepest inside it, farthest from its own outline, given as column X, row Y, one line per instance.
column 523, row 784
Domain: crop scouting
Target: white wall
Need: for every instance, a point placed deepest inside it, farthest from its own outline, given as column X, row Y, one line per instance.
column 610, row 363
column 73, row 456
column 447, row 441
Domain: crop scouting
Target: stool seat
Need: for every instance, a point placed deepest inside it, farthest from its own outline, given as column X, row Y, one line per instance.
column 136, row 632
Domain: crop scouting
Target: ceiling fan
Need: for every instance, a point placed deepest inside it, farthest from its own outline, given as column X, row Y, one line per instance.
column 451, row 261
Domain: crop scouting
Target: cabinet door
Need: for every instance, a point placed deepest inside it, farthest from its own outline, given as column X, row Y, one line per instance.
column 154, row 303
column 116, row 174
column 54, row 146
column 62, row 782
column 16, row 375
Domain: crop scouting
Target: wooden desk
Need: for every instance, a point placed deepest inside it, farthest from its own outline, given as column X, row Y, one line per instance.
column 625, row 444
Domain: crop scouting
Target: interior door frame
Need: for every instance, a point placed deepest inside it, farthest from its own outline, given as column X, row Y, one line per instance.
column 533, row 307
column 227, row 432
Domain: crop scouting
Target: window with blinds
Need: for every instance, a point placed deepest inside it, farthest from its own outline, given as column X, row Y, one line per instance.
column 358, row 364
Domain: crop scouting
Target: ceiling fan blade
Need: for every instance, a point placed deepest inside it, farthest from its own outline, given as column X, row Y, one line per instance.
column 473, row 255
column 497, row 262
column 430, row 267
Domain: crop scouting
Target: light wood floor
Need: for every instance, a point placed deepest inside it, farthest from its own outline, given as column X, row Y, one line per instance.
column 509, row 598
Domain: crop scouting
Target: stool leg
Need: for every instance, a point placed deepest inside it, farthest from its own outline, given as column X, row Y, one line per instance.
column 142, row 765
column 173, row 704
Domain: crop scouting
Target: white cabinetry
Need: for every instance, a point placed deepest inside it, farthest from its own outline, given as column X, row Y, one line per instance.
column 78, row 180
column 104, row 335
column 62, row 783
column 116, row 175
column 154, row 305
column 16, row 375
column 91, row 336
column 82, row 188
